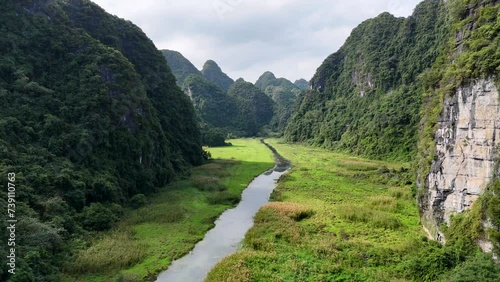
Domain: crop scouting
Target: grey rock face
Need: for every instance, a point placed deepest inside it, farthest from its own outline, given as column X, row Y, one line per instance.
column 468, row 132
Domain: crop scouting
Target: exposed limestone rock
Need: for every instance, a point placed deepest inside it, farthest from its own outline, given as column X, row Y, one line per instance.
column 363, row 81
column 468, row 132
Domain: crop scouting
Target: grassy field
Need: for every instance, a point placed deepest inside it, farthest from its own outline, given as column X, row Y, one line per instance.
column 335, row 218
column 148, row 239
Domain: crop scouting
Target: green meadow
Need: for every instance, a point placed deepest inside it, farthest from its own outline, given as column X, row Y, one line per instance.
column 148, row 239
column 337, row 217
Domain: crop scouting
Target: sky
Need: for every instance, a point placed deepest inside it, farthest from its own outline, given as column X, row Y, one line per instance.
column 291, row 38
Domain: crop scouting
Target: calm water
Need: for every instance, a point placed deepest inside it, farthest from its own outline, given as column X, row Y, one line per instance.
column 225, row 238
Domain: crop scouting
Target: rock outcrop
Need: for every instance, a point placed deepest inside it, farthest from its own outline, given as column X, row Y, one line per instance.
column 468, row 132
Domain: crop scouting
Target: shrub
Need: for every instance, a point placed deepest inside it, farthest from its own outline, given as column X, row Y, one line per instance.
column 430, row 263
column 109, row 254
column 373, row 218
column 97, row 217
column 223, row 198
column 207, row 183
column 479, row 268
column 138, row 201
column 294, row 211
column 168, row 213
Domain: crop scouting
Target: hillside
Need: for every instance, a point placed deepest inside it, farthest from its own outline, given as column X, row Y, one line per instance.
column 215, row 110
column 365, row 98
column 215, row 107
column 255, row 109
column 242, row 110
column 86, row 124
column 284, row 93
column 180, row 66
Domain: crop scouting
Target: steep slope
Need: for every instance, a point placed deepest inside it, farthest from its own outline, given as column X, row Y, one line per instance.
column 213, row 73
column 458, row 148
column 91, row 116
column 175, row 110
column 365, row 97
column 214, row 106
column 268, row 79
column 255, row 109
column 180, row 66
column 284, row 93
column 240, row 112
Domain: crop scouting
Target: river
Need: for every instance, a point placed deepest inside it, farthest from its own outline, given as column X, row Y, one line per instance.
column 229, row 231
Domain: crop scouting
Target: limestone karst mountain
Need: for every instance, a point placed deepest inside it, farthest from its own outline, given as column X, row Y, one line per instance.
column 213, row 73
column 180, row 66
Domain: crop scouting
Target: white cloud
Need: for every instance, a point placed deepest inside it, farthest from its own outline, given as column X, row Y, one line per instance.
column 247, row 37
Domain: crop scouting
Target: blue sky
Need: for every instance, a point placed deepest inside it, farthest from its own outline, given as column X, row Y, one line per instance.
column 246, row 38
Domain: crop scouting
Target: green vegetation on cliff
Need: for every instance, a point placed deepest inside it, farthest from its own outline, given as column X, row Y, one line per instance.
column 302, row 84
column 216, row 110
column 214, row 106
column 225, row 108
column 180, row 66
column 284, row 93
column 255, row 109
column 473, row 52
column 366, row 98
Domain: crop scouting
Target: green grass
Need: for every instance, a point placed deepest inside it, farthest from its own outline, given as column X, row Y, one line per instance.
column 358, row 222
column 148, row 239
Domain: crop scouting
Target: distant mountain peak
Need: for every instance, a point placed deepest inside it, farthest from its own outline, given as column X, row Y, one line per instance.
column 302, row 83
column 268, row 74
column 213, row 73
column 180, row 66
column 211, row 64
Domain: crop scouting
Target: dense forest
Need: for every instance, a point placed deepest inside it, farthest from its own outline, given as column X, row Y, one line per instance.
column 255, row 109
column 90, row 118
column 237, row 109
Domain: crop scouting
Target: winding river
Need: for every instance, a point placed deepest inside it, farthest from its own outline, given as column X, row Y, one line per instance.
column 230, row 229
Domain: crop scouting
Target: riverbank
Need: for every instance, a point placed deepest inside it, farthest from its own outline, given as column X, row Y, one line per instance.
column 147, row 240
column 282, row 164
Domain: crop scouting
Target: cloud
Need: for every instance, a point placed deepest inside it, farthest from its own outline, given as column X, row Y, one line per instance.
column 247, row 37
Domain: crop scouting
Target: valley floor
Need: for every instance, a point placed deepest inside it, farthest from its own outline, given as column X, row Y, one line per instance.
column 334, row 217
column 148, row 239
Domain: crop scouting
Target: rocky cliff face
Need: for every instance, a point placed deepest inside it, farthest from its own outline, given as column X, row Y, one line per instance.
column 468, row 132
